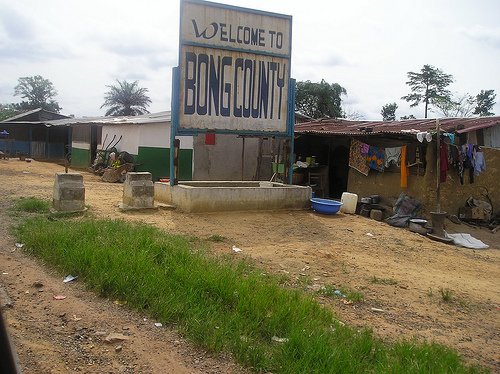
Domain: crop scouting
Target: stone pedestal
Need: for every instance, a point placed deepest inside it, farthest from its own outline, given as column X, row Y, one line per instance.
column 69, row 192
column 138, row 191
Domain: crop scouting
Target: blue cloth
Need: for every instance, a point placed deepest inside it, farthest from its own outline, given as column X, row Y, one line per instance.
column 470, row 150
column 479, row 163
column 451, row 136
column 376, row 158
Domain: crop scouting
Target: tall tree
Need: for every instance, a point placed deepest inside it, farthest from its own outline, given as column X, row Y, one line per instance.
column 460, row 106
column 388, row 112
column 38, row 92
column 428, row 86
column 126, row 99
column 484, row 102
column 319, row 100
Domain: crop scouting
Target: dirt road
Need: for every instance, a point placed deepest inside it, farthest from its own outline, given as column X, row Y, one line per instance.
column 66, row 336
column 405, row 275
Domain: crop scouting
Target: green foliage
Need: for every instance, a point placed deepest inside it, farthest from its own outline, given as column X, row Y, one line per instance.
column 31, row 205
column 126, row 99
column 485, row 101
column 461, row 106
column 388, row 112
column 411, row 116
column 446, row 294
column 222, row 304
column 38, row 92
column 7, row 111
column 318, row 100
column 428, row 86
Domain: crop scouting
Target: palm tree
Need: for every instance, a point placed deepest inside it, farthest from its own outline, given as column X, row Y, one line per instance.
column 126, row 99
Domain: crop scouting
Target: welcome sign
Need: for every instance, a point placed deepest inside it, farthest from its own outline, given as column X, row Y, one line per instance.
column 234, row 68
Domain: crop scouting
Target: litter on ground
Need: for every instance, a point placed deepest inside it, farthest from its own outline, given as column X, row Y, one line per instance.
column 69, row 278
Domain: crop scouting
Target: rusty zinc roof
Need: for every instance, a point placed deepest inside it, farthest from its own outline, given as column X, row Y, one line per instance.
column 339, row 126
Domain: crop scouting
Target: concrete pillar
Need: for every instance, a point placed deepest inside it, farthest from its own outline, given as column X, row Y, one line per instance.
column 138, row 191
column 69, row 192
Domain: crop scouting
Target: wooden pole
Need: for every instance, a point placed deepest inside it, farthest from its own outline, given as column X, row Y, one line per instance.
column 438, row 170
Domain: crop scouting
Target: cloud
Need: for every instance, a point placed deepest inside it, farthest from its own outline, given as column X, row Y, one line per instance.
column 488, row 35
column 320, row 59
column 15, row 24
column 6, row 92
column 132, row 48
column 23, row 39
column 31, row 51
column 162, row 60
column 136, row 76
column 332, row 60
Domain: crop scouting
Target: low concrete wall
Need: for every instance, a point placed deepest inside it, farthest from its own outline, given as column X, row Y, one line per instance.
column 226, row 196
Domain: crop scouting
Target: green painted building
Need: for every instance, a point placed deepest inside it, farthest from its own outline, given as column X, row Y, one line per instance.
column 145, row 137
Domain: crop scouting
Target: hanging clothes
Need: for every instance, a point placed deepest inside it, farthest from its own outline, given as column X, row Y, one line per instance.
column 424, row 135
column 479, row 163
column 357, row 160
column 392, row 156
column 443, row 162
column 450, row 136
column 364, row 148
column 404, row 168
column 413, row 153
column 376, row 158
column 468, row 151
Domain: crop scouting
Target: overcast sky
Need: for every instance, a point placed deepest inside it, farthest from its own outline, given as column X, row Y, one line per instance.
column 365, row 46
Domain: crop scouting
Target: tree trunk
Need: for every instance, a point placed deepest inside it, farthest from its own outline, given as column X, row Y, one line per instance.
column 426, row 97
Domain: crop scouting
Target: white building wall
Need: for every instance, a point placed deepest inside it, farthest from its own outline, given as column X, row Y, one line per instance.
column 145, row 135
column 158, row 135
column 130, row 137
column 80, row 145
column 155, row 135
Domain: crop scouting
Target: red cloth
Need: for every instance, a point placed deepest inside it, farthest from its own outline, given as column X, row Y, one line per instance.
column 404, row 168
column 443, row 162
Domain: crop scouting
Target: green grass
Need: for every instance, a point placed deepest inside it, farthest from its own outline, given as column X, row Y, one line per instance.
column 446, row 295
column 350, row 294
column 222, row 304
column 31, row 205
column 385, row 281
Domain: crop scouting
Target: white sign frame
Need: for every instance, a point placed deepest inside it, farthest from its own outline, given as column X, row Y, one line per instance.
column 234, row 70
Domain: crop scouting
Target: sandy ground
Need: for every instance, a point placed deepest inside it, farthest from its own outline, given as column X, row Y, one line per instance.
column 310, row 249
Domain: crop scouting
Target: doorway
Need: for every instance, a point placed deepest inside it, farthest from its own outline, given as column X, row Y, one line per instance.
column 339, row 170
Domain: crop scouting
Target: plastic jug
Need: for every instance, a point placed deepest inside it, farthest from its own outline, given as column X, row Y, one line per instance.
column 349, row 202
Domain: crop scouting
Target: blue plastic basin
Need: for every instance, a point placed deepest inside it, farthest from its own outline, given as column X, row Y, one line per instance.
column 325, row 206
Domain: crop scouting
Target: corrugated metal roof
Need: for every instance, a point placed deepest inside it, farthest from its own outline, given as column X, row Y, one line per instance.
column 159, row 117
column 337, row 126
column 29, row 113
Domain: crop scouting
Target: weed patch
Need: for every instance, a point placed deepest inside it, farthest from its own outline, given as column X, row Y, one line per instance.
column 222, row 304
column 342, row 292
column 216, row 238
column 385, row 281
column 31, row 205
column 446, row 295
